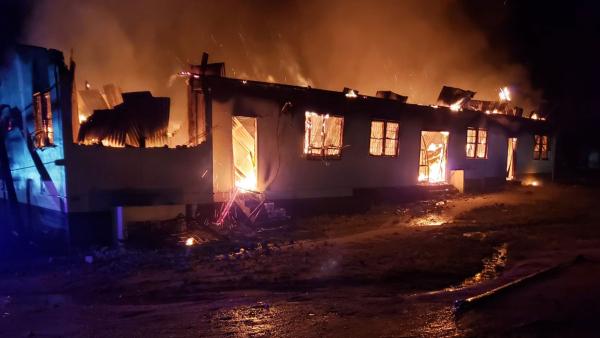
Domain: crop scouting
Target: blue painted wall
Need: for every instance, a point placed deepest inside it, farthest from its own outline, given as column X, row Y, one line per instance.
column 29, row 70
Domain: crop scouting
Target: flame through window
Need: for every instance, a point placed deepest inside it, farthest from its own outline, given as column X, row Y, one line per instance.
column 323, row 135
column 541, row 147
column 476, row 143
column 433, row 157
column 43, row 134
column 384, row 138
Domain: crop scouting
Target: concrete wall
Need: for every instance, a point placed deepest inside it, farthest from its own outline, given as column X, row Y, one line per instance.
column 101, row 178
column 30, row 70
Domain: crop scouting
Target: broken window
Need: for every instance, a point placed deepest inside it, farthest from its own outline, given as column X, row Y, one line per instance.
column 244, row 152
column 511, row 159
column 433, row 158
column 476, row 143
column 43, row 134
column 384, row 138
column 323, row 135
column 541, row 147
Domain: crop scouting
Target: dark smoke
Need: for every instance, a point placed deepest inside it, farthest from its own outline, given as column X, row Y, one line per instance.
column 412, row 47
column 13, row 16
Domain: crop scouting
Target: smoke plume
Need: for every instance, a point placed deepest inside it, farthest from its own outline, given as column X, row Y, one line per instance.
column 13, row 16
column 412, row 47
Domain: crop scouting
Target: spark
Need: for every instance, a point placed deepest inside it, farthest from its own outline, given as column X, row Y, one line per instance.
column 227, row 207
column 188, row 74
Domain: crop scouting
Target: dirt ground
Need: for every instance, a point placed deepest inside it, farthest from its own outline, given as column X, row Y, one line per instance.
column 395, row 271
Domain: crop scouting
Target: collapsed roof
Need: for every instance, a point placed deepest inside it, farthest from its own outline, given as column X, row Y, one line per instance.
column 450, row 96
column 140, row 121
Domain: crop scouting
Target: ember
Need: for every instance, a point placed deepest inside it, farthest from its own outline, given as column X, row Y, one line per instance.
column 190, row 241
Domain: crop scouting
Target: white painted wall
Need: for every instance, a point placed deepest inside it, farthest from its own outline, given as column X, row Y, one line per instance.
column 285, row 173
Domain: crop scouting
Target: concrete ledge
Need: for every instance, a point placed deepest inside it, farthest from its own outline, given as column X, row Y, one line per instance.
column 486, row 184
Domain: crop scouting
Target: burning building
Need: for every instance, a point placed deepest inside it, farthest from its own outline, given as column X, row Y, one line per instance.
column 79, row 161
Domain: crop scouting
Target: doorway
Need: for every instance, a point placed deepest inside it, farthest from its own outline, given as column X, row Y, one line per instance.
column 244, row 152
column 511, row 159
column 433, row 157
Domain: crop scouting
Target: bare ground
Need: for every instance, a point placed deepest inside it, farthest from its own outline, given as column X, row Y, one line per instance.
column 394, row 271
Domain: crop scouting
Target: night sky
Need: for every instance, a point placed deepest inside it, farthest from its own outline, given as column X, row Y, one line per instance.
column 556, row 41
column 559, row 43
column 13, row 16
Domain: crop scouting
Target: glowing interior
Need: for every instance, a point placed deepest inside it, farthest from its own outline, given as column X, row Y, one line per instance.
column 510, row 160
column 433, row 158
column 244, row 152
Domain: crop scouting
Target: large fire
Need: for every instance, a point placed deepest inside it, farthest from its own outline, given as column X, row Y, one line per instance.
column 504, row 94
column 432, row 164
column 437, row 168
column 351, row 94
column 456, row 106
column 248, row 182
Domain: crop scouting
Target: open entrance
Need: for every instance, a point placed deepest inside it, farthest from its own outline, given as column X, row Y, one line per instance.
column 511, row 160
column 433, row 158
column 244, row 152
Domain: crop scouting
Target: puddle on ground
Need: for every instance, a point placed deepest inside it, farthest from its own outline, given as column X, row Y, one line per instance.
column 439, row 324
column 492, row 266
column 245, row 321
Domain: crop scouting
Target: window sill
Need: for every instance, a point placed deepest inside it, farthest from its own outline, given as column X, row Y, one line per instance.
column 46, row 147
column 322, row 158
column 383, row 156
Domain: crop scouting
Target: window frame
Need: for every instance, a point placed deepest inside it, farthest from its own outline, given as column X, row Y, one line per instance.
column 477, row 143
column 43, row 134
column 322, row 155
column 385, row 139
column 539, row 152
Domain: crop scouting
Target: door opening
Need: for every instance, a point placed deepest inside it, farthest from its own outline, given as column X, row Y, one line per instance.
column 434, row 156
column 511, row 159
column 244, row 152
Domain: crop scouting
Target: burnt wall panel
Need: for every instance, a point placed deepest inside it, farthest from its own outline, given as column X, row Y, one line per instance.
column 101, row 178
